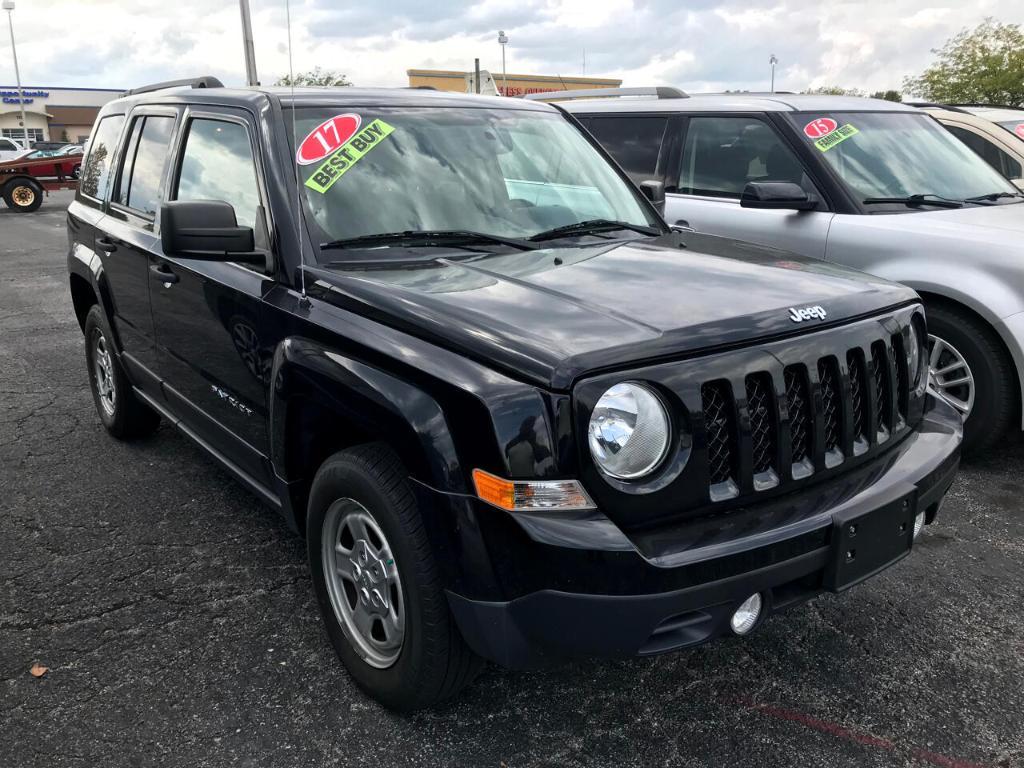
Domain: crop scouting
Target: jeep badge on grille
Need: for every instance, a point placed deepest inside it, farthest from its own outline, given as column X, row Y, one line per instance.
column 806, row 313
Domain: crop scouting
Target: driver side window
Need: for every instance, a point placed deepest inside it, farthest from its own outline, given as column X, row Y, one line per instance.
column 721, row 155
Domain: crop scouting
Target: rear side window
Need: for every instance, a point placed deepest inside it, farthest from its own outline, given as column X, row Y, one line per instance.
column 988, row 151
column 218, row 164
column 96, row 168
column 635, row 142
column 722, row 154
column 144, row 161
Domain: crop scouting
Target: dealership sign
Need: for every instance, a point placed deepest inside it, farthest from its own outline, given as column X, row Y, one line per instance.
column 12, row 97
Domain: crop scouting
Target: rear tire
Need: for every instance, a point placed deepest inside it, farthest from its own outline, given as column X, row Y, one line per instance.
column 24, row 195
column 982, row 358
column 425, row 660
column 123, row 414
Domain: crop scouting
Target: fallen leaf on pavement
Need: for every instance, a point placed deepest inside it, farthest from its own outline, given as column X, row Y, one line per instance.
column 38, row 670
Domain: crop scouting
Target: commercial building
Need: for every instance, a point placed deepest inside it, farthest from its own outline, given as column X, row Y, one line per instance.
column 52, row 114
column 507, row 85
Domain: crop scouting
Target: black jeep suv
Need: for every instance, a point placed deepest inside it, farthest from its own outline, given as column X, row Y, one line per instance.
column 515, row 415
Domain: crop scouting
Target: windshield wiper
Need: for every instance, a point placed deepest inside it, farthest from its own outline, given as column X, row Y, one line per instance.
column 993, row 196
column 430, row 238
column 914, row 200
column 593, row 226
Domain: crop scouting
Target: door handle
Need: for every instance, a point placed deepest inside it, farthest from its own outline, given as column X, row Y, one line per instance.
column 106, row 245
column 162, row 274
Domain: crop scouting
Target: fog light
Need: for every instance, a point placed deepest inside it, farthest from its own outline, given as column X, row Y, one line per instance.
column 746, row 615
column 918, row 523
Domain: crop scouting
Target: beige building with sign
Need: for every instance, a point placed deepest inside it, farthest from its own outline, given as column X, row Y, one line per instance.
column 517, row 85
column 52, row 114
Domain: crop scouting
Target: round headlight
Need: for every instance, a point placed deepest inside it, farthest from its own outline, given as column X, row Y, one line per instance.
column 629, row 431
column 912, row 344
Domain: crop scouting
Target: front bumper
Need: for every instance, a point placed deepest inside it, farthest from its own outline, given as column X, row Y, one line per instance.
column 608, row 601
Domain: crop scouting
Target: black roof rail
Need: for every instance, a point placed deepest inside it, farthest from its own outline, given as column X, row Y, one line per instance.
column 206, row 81
column 661, row 91
column 990, row 106
column 934, row 105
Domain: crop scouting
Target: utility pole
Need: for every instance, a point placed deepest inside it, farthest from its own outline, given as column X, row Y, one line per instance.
column 8, row 5
column 476, row 76
column 503, row 41
column 250, row 49
column 773, row 60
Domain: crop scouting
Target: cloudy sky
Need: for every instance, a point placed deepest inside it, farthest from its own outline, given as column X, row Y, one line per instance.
column 695, row 44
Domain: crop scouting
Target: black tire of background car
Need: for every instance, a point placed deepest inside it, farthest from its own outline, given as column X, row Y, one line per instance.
column 15, row 197
column 132, row 418
column 995, row 380
column 435, row 663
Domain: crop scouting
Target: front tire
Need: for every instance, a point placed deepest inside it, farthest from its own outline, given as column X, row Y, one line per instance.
column 377, row 584
column 123, row 414
column 971, row 368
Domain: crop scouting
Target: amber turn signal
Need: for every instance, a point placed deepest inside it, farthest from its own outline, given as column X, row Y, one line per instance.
column 530, row 495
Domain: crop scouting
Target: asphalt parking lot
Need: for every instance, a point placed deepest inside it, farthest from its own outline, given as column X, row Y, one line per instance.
column 176, row 618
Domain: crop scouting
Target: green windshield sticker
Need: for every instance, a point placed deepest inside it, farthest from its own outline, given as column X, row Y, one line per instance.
column 839, row 135
column 348, row 154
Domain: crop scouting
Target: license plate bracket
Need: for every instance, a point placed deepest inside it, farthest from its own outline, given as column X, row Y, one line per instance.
column 864, row 544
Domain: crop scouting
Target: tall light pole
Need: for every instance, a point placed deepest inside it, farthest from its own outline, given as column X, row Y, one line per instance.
column 250, row 50
column 503, row 41
column 8, row 5
column 773, row 60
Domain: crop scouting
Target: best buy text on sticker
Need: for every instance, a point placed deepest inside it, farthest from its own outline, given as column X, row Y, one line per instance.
column 823, row 126
column 326, row 138
column 351, row 152
column 839, row 135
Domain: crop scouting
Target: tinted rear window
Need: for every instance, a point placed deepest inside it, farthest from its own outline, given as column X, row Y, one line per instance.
column 96, row 168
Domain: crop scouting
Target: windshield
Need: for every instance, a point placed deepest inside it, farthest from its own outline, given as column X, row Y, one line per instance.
column 897, row 155
column 501, row 172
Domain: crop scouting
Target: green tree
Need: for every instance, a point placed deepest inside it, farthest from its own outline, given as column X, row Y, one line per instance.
column 834, row 90
column 315, row 76
column 983, row 65
column 889, row 95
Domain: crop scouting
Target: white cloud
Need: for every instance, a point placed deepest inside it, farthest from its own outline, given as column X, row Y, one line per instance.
column 698, row 45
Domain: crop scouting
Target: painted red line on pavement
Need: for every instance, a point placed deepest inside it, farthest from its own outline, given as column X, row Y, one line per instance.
column 866, row 739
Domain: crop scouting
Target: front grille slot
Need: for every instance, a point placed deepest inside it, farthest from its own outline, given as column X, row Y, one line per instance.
column 763, row 436
column 881, row 389
column 858, row 405
column 720, row 428
column 899, row 356
column 801, row 419
column 831, row 409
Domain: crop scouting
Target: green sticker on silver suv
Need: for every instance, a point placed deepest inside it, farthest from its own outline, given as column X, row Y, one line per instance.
column 347, row 155
column 839, row 135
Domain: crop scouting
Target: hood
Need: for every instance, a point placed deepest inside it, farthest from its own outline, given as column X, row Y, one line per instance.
column 996, row 224
column 555, row 314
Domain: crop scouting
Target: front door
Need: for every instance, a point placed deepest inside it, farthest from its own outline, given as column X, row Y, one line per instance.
column 719, row 156
column 206, row 314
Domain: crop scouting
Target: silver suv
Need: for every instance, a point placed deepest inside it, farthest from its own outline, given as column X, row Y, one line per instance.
column 870, row 184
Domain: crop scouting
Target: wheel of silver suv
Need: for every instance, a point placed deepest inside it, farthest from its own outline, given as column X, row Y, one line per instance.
column 951, row 375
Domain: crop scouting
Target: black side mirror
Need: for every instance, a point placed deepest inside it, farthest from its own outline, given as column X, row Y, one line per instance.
column 783, row 195
column 655, row 192
column 206, row 229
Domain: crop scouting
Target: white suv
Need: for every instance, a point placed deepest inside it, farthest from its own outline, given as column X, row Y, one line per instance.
column 870, row 184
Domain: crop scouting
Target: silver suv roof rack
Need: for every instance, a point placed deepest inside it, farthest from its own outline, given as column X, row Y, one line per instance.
column 206, row 81
column 661, row 91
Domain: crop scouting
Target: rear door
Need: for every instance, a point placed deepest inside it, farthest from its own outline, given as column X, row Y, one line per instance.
column 128, row 236
column 717, row 157
column 212, row 358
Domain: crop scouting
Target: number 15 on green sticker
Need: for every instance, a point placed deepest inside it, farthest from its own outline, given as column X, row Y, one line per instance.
column 347, row 155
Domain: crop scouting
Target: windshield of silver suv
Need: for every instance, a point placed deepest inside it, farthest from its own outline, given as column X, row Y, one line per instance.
column 897, row 157
column 377, row 177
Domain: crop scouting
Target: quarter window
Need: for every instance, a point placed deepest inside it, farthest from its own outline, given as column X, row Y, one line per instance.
column 988, row 152
column 142, row 172
column 721, row 155
column 96, row 168
column 635, row 142
column 218, row 164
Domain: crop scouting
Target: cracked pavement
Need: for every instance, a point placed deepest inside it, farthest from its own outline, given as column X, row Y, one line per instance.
column 177, row 620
